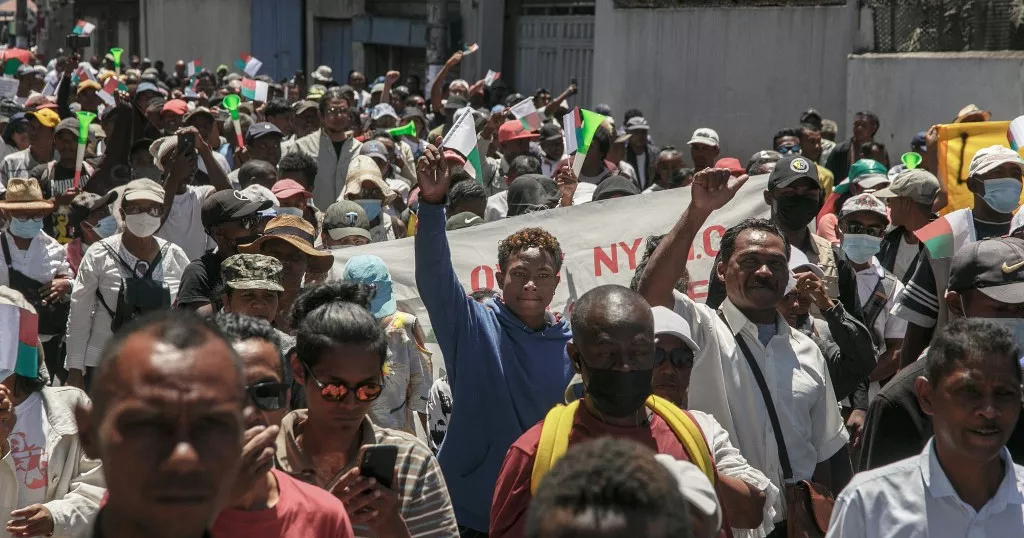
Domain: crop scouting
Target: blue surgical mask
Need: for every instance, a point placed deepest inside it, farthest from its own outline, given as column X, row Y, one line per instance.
column 371, row 207
column 293, row 211
column 1003, row 194
column 861, row 247
column 106, row 227
column 26, row 228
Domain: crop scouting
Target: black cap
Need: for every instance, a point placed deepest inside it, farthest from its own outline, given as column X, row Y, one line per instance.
column 228, row 206
column 790, row 169
column 455, row 102
column 413, row 112
column 811, row 118
column 262, row 129
column 550, row 131
column 994, row 267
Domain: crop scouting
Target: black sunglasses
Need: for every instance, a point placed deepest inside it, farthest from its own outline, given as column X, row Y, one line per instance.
column 268, row 396
column 680, row 357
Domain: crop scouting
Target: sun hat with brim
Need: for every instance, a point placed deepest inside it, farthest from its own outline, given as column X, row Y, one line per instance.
column 24, row 194
column 362, row 170
column 670, row 323
column 296, row 232
column 371, row 270
column 994, row 267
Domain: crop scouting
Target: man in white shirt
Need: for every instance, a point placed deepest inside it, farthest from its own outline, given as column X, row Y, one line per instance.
column 754, row 266
column 963, row 483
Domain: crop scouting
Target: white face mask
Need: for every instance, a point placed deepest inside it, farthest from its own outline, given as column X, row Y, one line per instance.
column 142, row 224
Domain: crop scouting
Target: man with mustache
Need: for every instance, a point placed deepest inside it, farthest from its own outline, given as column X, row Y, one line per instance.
column 746, row 333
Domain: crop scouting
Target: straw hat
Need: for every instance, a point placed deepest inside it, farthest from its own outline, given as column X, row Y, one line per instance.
column 24, row 194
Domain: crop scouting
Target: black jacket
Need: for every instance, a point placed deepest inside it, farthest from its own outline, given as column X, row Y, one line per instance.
column 650, row 157
column 850, row 356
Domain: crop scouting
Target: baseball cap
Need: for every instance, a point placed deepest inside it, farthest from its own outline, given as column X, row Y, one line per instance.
column 252, row 272
column 762, row 157
column 228, row 206
column 286, row 188
column 871, row 181
column 638, row 123
column 259, row 193
column 919, row 142
column 863, row 203
column 799, row 263
column 733, row 164
column 67, row 125
column 374, row 149
column 514, row 130
column 993, row 266
column 918, row 184
column 694, row 486
column 345, row 218
column 176, row 107
column 550, row 131
column 259, row 130
column 370, row 269
column 791, row 168
column 455, row 102
column 377, row 88
column 412, row 112
column 866, row 166
column 454, row 157
column 705, row 136
column 992, row 157
column 383, row 109
column 146, row 87
column 303, row 106
column 196, row 113
column 811, row 118
column 143, row 189
column 45, row 116
column 466, row 219
column 316, row 91
column 668, row 322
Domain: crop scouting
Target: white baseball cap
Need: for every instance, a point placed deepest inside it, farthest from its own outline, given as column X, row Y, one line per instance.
column 861, row 203
column 694, row 485
column 992, row 157
column 668, row 322
column 799, row 260
column 705, row 136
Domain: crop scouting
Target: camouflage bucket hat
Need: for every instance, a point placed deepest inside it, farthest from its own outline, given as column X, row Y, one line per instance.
column 252, row 272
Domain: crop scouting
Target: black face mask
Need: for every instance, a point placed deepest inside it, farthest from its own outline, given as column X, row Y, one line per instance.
column 795, row 212
column 619, row 394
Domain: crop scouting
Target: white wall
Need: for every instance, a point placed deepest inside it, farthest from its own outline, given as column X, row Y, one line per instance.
column 217, row 32
column 746, row 72
column 913, row 91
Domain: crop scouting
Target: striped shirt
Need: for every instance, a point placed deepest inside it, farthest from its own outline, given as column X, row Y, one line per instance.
column 425, row 504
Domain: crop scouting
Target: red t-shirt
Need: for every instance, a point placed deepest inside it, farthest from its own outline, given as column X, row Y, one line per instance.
column 302, row 510
column 512, row 491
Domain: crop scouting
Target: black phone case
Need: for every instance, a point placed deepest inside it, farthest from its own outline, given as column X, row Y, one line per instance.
column 378, row 462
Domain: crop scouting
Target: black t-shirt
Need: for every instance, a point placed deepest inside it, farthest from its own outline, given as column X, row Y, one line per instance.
column 337, row 147
column 200, row 280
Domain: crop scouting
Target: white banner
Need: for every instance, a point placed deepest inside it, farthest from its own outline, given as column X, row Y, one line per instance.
column 602, row 241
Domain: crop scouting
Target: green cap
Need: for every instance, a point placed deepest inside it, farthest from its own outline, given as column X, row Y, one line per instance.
column 866, row 166
column 252, row 272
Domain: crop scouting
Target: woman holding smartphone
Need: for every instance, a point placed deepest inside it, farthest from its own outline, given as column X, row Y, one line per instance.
column 339, row 359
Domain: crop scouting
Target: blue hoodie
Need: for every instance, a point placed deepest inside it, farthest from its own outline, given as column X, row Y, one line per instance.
column 504, row 376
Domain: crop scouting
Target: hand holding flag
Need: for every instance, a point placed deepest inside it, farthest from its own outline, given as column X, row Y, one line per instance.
column 250, row 65
column 578, row 128
column 527, row 114
column 462, row 138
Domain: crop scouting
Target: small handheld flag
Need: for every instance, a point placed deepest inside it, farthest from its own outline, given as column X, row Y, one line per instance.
column 409, row 129
column 491, row 77
column 462, row 138
column 116, row 53
column 83, row 28
column 527, row 114
column 84, row 119
column 250, row 65
column 193, row 67
column 470, row 49
column 579, row 127
column 1015, row 133
column 231, row 104
column 255, row 90
column 19, row 336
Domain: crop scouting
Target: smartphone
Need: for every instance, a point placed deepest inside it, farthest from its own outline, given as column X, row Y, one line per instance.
column 186, row 143
column 378, row 462
column 77, row 42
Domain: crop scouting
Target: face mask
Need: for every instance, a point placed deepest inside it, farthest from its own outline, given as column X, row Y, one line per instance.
column 371, row 207
column 142, row 224
column 1003, row 194
column 106, row 227
column 861, row 247
column 293, row 211
column 619, row 394
column 795, row 212
column 26, row 228
column 1014, row 325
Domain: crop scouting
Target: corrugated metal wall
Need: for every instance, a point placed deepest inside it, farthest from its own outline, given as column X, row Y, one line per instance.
column 277, row 36
column 334, row 46
column 218, row 32
column 551, row 50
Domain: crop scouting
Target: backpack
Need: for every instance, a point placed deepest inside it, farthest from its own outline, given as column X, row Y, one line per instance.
column 137, row 295
column 554, row 437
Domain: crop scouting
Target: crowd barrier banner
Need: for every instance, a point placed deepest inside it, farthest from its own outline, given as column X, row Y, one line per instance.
column 602, row 242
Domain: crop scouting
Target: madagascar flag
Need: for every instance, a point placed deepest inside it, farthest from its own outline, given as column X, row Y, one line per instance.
column 938, row 238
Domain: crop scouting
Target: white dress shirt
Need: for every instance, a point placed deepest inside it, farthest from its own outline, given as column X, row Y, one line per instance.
column 43, row 260
column 914, row 498
column 723, row 385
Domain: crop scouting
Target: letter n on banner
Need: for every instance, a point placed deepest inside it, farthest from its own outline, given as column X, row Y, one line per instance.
column 601, row 258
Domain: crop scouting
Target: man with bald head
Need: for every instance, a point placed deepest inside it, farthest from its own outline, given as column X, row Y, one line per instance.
column 167, row 419
column 613, row 350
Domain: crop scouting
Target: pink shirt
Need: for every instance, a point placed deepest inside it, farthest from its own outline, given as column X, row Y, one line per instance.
column 302, row 511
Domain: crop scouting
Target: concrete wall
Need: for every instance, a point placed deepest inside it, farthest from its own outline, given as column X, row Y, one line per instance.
column 913, row 91
column 745, row 72
column 217, row 32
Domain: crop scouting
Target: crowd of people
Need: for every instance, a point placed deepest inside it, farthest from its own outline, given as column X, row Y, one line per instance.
column 197, row 363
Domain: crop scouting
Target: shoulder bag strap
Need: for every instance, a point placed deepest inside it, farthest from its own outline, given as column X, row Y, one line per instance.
column 787, row 470
column 7, row 251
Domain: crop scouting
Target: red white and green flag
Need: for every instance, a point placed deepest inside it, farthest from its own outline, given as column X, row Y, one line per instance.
column 255, row 90
column 1015, row 133
column 81, row 74
column 527, row 114
column 491, row 77
column 83, row 27
column 470, row 49
column 193, row 67
column 462, row 138
column 250, row 65
column 579, row 126
column 938, row 238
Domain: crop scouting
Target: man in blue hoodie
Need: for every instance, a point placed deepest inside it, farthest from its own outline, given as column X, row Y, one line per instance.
column 505, row 358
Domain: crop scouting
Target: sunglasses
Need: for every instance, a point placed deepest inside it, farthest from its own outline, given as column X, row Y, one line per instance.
column 680, row 357
column 858, row 228
column 367, row 391
column 790, row 149
column 268, row 396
